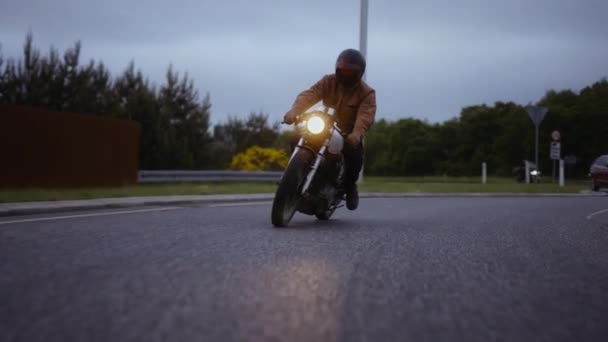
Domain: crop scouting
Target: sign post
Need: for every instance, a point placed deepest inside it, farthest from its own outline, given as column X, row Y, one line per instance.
column 561, row 173
column 537, row 114
column 555, row 151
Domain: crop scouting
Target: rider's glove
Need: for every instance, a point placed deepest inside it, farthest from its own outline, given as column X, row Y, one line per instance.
column 353, row 139
column 290, row 117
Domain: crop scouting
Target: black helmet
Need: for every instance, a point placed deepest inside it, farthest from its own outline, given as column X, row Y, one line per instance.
column 350, row 67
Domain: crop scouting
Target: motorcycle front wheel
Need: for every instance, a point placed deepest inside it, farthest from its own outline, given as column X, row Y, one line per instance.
column 288, row 193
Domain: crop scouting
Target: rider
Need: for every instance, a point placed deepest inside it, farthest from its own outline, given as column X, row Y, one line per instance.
column 355, row 104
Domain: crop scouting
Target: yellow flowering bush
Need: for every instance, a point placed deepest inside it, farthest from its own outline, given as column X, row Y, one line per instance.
column 258, row 158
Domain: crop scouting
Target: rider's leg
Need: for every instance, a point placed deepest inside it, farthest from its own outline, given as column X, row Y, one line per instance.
column 353, row 161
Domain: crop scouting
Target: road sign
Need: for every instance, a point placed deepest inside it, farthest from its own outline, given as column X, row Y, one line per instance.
column 555, row 135
column 537, row 114
column 555, row 150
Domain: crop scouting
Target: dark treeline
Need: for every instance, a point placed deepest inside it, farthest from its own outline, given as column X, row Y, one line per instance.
column 501, row 135
column 177, row 134
column 176, row 129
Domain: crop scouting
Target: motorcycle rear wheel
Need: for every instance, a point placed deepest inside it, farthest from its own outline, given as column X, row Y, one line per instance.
column 326, row 215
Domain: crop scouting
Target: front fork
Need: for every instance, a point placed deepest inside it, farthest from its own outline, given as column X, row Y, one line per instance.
column 315, row 166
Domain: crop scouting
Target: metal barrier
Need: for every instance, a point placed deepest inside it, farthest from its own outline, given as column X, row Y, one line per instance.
column 181, row 176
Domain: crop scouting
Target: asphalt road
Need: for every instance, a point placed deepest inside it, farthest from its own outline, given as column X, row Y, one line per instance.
column 417, row 269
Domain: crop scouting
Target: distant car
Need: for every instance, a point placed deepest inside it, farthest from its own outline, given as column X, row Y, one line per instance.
column 519, row 172
column 599, row 173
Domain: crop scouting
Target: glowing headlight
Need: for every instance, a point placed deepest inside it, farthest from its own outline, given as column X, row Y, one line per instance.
column 315, row 125
column 535, row 173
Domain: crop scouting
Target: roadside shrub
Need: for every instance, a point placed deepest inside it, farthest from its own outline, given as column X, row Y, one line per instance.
column 258, row 158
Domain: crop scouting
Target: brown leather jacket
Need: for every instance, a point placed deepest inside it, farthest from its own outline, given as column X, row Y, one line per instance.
column 355, row 107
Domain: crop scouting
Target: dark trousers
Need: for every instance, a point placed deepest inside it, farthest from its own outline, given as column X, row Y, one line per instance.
column 353, row 160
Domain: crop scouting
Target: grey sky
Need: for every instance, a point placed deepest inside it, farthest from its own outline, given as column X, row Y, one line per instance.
column 426, row 59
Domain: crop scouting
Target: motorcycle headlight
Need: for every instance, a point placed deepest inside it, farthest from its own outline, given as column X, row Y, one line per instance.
column 535, row 173
column 315, row 125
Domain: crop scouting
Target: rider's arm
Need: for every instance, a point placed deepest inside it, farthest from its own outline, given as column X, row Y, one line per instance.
column 309, row 97
column 366, row 114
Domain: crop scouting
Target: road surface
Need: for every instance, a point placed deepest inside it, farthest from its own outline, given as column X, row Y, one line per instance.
column 410, row 269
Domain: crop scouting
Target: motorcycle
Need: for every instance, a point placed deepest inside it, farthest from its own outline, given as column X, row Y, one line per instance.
column 312, row 182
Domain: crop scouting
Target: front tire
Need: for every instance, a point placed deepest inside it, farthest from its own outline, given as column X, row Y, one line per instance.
column 288, row 193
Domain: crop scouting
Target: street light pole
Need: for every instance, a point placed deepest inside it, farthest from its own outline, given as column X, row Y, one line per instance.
column 363, row 49
column 363, row 29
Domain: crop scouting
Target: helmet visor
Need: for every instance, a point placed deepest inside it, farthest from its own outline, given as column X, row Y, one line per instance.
column 348, row 74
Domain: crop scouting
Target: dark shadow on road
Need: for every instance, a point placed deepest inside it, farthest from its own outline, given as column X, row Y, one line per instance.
column 311, row 223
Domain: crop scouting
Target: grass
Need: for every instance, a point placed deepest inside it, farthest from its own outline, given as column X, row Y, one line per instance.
column 27, row 195
column 371, row 184
column 462, row 185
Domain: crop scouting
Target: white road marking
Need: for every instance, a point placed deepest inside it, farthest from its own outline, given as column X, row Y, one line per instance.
column 238, row 204
column 54, row 218
column 597, row 213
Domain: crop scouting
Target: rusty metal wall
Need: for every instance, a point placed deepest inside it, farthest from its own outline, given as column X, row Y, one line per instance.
column 44, row 149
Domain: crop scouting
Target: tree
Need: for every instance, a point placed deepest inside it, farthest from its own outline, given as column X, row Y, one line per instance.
column 188, row 121
column 402, row 148
column 582, row 120
column 236, row 135
column 3, row 76
column 136, row 100
column 241, row 134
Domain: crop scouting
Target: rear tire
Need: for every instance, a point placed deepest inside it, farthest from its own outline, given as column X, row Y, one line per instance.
column 325, row 215
column 288, row 193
